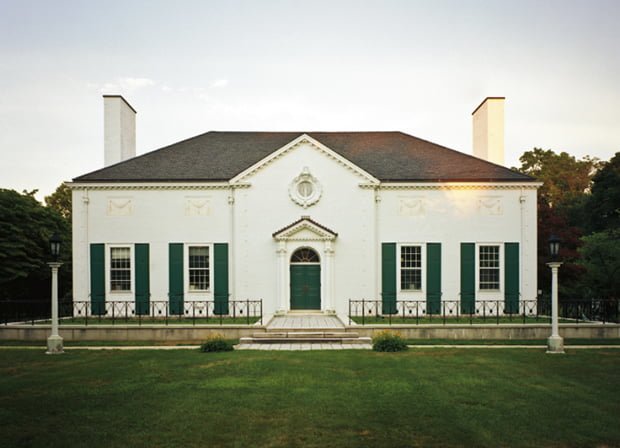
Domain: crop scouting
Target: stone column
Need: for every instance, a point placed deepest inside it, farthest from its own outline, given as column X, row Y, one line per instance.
column 329, row 306
column 555, row 343
column 54, row 341
column 281, row 280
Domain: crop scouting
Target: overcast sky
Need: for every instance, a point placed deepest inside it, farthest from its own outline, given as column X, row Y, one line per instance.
column 188, row 67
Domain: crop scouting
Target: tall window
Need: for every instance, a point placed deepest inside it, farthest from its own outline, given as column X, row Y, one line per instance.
column 411, row 268
column 489, row 267
column 198, row 268
column 120, row 269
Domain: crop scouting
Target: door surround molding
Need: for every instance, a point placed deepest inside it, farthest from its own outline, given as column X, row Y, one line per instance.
column 305, row 232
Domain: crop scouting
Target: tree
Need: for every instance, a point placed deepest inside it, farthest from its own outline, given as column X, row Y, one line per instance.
column 603, row 208
column 25, row 228
column 565, row 178
column 600, row 256
column 60, row 200
column 561, row 210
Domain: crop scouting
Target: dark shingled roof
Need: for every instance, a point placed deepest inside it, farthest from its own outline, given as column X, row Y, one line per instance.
column 220, row 156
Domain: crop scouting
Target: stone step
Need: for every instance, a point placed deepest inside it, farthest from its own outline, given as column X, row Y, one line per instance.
column 293, row 329
column 305, row 334
column 304, row 340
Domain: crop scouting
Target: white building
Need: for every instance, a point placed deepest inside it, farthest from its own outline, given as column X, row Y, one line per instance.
column 303, row 220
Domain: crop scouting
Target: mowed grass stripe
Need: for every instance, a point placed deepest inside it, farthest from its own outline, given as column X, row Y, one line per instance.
column 443, row 397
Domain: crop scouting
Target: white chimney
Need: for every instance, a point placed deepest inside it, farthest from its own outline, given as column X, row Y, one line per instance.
column 488, row 130
column 119, row 124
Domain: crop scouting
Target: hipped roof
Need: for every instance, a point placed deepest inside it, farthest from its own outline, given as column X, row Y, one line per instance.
column 388, row 156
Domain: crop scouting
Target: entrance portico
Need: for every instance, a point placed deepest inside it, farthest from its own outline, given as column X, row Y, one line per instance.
column 305, row 271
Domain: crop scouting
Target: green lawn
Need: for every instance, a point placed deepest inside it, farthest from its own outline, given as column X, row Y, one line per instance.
column 439, row 320
column 173, row 320
column 440, row 397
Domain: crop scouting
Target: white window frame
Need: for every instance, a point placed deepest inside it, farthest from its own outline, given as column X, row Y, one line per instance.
column 202, row 293
column 422, row 289
column 500, row 290
column 108, row 269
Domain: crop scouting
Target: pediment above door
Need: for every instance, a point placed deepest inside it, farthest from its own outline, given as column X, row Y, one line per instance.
column 305, row 229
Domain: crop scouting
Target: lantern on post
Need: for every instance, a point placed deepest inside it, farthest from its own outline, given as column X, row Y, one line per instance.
column 555, row 343
column 54, row 341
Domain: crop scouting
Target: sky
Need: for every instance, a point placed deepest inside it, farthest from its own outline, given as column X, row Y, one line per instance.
column 189, row 67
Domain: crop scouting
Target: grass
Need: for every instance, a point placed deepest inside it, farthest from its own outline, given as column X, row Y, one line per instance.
column 439, row 320
column 597, row 341
column 42, row 343
column 443, row 397
column 173, row 320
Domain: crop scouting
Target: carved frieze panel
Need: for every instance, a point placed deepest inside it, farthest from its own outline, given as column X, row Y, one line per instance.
column 119, row 206
column 412, row 206
column 197, row 206
column 490, row 206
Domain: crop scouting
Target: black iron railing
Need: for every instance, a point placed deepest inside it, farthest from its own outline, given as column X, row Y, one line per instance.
column 419, row 312
column 157, row 312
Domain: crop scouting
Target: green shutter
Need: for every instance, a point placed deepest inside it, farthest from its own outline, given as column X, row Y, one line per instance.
column 175, row 278
column 468, row 278
column 97, row 279
column 511, row 277
column 220, row 274
column 433, row 278
column 143, row 292
column 388, row 278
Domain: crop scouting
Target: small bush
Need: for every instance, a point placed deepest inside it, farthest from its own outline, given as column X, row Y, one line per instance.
column 388, row 341
column 216, row 343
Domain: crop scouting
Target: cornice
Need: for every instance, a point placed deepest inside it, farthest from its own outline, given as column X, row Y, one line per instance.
column 454, row 186
column 153, row 186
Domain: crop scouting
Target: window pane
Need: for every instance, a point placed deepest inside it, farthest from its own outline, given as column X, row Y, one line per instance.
column 198, row 268
column 411, row 267
column 120, row 269
column 305, row 255
column 198, row 257
column 489, row 267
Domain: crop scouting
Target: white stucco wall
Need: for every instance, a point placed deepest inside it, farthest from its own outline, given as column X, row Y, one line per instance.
column 362, row 215
column 458, row 214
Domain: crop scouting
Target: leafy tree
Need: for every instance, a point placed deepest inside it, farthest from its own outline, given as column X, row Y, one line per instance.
column 550, row 222
column 562, row 201
column 25, row 228
column 60, row 200
column 601, row 258
column 603, row 208
column 565, row 178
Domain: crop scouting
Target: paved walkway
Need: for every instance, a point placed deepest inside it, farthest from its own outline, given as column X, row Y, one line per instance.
column 304, row 322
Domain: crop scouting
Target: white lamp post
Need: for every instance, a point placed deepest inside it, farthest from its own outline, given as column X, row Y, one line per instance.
column 555, row 342
column 54, row 341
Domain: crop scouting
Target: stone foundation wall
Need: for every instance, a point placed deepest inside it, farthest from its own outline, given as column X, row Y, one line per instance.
column 178, row 334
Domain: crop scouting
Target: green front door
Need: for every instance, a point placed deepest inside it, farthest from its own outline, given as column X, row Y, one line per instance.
column 305, row 286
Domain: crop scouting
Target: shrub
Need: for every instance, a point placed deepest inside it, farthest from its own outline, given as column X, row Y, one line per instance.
column 388, row 341
column 216, row 343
